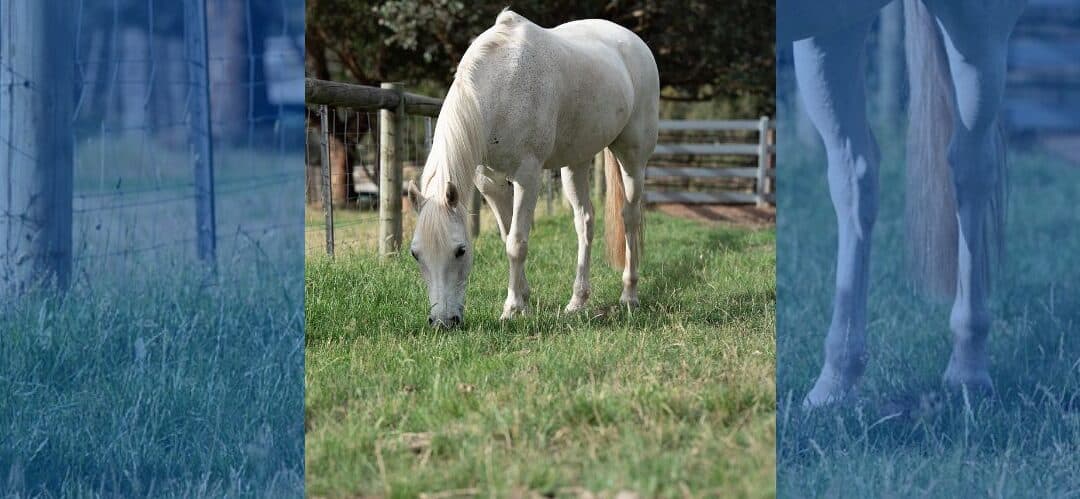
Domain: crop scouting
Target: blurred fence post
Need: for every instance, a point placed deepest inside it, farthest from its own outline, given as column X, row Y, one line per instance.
column 390, row 176
column 598, row 177
column 327, row 191
column 761, row 189
column 199, row 132
column 549, row 194
column 474, row 213
column 37, row 102
column 890, row 48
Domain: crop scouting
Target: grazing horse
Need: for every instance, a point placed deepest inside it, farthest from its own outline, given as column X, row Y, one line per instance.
column 525, row 99
column 956, row 51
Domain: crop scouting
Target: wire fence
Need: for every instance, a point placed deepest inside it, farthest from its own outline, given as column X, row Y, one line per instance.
column 354, row 174
column 136, row 110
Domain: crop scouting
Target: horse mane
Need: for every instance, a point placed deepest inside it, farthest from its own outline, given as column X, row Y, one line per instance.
column 458, row 145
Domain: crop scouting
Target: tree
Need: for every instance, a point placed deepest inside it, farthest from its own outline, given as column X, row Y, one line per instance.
column 704, row 49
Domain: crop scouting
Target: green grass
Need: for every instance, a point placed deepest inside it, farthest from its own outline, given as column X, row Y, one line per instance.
column 161, row 382
column 675, row 397
column 1025, row 442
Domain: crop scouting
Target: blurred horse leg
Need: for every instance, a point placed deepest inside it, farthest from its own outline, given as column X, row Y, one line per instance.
column 829, row 70
column 975, row 36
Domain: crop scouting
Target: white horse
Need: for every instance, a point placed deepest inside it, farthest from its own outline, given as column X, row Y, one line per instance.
column 956, row 52
column 525, row 99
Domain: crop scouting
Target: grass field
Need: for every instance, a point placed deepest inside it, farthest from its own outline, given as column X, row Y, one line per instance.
column 674, row 398
column 1023, row 443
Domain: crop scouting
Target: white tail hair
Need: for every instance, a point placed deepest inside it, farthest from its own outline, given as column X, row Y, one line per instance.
column 931, row 224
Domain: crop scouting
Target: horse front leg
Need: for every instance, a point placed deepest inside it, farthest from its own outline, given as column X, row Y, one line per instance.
column 829, row 70
column 976, row 38
column 526, row 184
column 576, row 188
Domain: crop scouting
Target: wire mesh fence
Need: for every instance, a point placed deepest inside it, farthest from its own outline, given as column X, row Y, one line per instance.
column 136, row 96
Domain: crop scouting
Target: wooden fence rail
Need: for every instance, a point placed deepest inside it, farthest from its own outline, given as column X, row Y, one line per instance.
column 763, row 173
column 364, row 98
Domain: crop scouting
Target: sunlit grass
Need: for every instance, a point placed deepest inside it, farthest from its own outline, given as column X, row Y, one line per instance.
column 674, row 397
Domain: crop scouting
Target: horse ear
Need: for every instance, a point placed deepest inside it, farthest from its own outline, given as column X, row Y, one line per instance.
column 451, row 195
column 416, row 199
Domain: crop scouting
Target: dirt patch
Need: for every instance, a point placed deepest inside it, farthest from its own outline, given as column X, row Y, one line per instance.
column 741, row 215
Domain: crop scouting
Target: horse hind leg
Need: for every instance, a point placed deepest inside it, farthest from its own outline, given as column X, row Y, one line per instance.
column 829, row 71
column 977, row 57
column 575, row 182
column 631, row 161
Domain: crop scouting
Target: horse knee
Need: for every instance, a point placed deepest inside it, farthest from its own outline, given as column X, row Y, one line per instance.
column 516, row 247
column 853, row 180
column 586, row 219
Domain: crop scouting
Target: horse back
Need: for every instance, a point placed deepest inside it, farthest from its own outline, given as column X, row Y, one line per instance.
column 561, row 94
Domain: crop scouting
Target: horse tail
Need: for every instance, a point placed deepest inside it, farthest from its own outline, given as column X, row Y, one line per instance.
column 614, row 201
column 930, row 211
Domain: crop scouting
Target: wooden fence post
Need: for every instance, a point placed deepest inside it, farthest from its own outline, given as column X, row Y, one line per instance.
column 327, row 188
column 598, row 177
column 760, row 190
column 37, row 145
column 390, row 176
column 199, row 132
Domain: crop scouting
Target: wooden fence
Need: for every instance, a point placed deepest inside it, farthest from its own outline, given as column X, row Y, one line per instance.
column 763, row 171
column 394, row 105
column 1043, row 79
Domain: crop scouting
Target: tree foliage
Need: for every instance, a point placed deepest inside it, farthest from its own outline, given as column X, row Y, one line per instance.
column 704, row 49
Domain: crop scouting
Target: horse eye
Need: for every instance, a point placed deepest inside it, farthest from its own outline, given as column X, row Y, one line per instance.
column 460, row 252
column 415, row 256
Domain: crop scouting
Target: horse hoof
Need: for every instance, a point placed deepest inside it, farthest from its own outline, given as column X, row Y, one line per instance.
column 829, row 390
column 574, row 307
column 974, row 382
column 511, row 312
column 630, row 301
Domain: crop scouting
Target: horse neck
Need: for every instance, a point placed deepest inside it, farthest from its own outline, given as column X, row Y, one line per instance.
column 458, row 145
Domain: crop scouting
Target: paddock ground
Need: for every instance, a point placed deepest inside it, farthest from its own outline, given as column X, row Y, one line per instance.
column 676, row 398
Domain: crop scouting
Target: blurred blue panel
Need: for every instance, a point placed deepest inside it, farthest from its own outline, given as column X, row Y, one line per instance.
column 902, row 433
column 151, row 372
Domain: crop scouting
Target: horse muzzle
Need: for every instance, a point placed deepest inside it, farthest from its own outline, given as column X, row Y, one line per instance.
column 444, row 322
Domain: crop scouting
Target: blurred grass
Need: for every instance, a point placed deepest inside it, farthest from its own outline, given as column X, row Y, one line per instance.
column 1025, row 442
column 675, row 397
column 151, row 376
column 161, row 382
